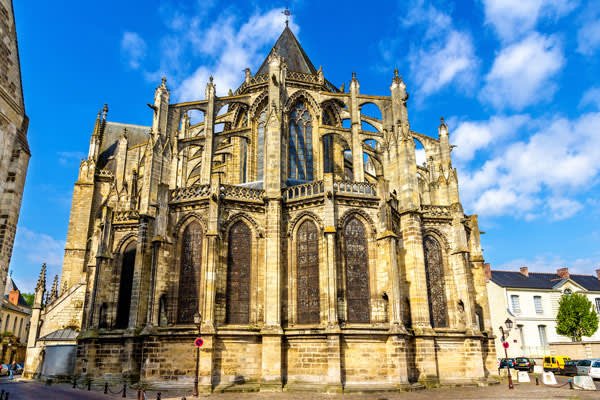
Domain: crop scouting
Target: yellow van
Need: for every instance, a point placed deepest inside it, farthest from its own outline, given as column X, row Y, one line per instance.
column 555, row 363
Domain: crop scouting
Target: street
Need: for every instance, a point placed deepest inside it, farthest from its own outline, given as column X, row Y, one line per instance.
column 30, row 390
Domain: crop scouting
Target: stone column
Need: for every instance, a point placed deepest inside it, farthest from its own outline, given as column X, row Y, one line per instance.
column 357, row 152
column 209, row 123
column 397, row 360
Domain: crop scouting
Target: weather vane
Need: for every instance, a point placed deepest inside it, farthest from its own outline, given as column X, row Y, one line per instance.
column 287, row 14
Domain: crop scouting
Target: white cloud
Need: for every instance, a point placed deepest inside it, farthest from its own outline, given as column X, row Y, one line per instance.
column 521, row 73
column 513, row 18
column 541, row 175
column 591, row 98
column 39, row 248
column 441, row 55
column 66, row 157
column 551, row 262
column 133, row 48
column 588, row 37
column 471, row 136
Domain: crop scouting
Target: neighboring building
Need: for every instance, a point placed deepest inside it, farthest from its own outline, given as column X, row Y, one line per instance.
column 311, row 266
column 14, row 324
column 14, row 150
column 530, row 300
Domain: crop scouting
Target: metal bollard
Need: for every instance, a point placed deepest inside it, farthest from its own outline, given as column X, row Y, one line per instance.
column 124, row 390
column 570, row 384
column 183, row 398
column 89, row 385
column 537, row 380
column 74, row 382
column 158, row 396
column 2, row 394
column 105, row 387
column 6, row 396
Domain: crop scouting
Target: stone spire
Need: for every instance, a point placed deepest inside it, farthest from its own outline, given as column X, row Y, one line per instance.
column 54, row 291
column 41, row 284
column 40, row 288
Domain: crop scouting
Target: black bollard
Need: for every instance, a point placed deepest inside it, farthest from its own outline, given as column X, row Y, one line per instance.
column 183, row 398
column 6, row 396
column 158, row 396
column 105, row 387
column 1, row 394
column 74, row 381
column 124, row 390
column 89, row 385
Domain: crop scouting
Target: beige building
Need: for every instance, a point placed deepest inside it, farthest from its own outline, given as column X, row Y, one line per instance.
column 530, row 300
column 14, row 324
column 14, row 150
column 317, row 255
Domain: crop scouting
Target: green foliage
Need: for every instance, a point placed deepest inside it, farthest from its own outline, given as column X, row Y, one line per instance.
column 29, row 297
column 576, row 317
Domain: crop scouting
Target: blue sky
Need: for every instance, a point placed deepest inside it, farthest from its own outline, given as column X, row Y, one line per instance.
column 516, row 80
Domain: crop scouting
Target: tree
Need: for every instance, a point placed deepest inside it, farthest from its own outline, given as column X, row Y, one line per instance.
column 576, row 317
column 29, row 297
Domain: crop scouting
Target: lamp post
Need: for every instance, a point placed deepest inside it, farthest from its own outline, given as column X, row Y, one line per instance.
column 505, row 334
column 198, row 323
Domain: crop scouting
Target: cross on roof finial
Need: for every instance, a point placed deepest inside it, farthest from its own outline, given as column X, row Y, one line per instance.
column 287, row 14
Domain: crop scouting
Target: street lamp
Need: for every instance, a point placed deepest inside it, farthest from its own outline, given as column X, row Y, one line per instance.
column 198, row 323
column 505, row 334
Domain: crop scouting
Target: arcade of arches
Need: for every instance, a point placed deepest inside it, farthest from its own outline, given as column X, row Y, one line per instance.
column 312, row 253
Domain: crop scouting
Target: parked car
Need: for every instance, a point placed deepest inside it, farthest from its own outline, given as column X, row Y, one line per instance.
column 524, row 364
column 3, row 369
column 507, row 361
column 595, row 369
column 570, row 367
column 583, row 367
column 555, row 363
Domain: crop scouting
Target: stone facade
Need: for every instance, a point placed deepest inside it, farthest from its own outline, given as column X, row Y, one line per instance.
column 318, row 255
column 14, row 149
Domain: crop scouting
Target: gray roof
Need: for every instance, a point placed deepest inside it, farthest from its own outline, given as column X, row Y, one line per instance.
column 136, row 134
column 287, row 46
column 541, row 280
column 60, row 335
column 10, row 286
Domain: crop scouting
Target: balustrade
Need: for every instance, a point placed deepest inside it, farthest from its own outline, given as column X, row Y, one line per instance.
column 305, row 190
column 361, row 188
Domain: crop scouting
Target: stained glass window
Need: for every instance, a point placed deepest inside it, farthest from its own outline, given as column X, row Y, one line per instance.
column 238, row 274
column 436, row 287
column 260, row 145
column 189, row 275
column 307, row 271
column 357, row 272
column 328, row 153
column 300, row 154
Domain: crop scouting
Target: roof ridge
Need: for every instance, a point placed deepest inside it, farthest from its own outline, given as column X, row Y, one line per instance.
column 293, row 53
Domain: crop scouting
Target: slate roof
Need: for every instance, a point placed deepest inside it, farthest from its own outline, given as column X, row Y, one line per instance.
column 541, row 280
column 10, row 286
column 60, row 335
column 287, row 46
column 136, row 134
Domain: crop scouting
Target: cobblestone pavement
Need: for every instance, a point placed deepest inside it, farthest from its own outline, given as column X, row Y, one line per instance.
column 28, row 390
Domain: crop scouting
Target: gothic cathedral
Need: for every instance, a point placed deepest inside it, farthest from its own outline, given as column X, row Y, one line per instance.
column 295, row 234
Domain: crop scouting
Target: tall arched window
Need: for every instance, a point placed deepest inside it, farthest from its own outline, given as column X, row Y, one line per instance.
column 307, row 273
column 125, row 287
column 300, row 154
column 238, row 274
column 357, row 272
column 189, row 275
column 436, row 286
column 260, row 145
column 327, row 153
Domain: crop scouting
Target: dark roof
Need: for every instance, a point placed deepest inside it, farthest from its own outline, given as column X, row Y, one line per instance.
column 287, row 46
column 136, row 134
column 541, row 280
column 60, row 335
column 10, row 286
column 23, row 309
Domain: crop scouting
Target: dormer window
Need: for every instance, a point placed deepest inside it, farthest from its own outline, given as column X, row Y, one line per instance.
column 568, row 291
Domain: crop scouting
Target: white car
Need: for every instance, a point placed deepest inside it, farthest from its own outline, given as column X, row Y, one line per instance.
column 595, row 369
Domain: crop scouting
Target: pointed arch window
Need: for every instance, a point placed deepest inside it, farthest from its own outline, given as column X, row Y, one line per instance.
column 307, row 274
column 327, row 153
column 238, row 274
column 300, row 142
column 436, row 286
column 125, row 286
column 189, row 273
column 260, row 145
column 357, row 272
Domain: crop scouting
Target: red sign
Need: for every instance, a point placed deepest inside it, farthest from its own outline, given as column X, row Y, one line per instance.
column 504, row 344
column 198, row 342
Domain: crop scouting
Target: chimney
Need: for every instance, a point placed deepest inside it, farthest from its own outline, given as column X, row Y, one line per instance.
column 525, row 272
column 13, row 297
column 598, row 273
column 487, row 271
column 563, row 273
